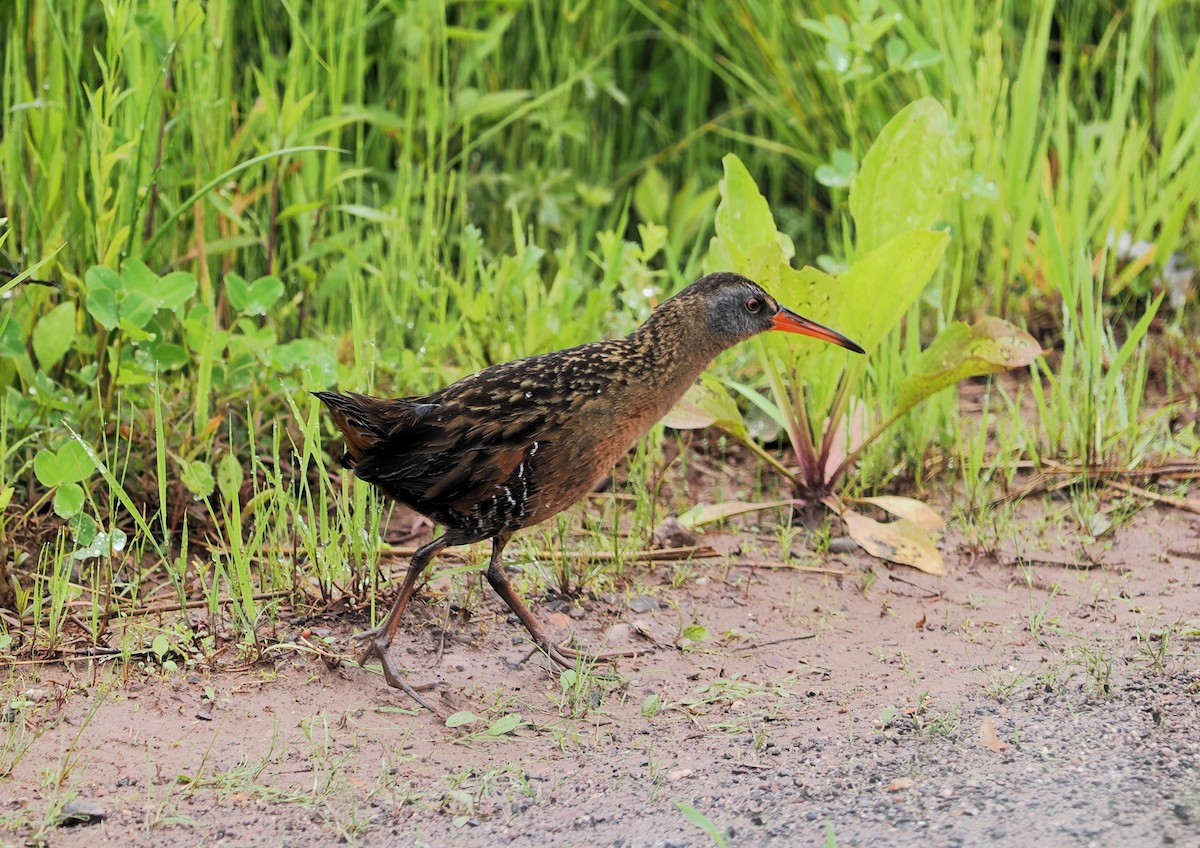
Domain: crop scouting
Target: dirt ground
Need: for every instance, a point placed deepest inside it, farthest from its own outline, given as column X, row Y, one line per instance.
column 1027, row 698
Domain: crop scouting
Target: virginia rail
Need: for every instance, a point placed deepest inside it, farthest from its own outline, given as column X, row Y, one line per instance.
column 514, row 444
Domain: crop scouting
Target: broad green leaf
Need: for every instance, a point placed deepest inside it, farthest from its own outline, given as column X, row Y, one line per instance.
column 308, row 356
column 6, row 497
column 988, row 347
column 461, row 718
column 744, row 220
column 198, row 478
column 83, row 529
column 504, row 725
column 904, row 175
column 707, row 404
column 880, row 287
column 68, row 500
column 900, row 541
column 816, row 295
column 45, row 468
column 839, row 171
column 128, row 375
column 53, row 334
column 695, row 633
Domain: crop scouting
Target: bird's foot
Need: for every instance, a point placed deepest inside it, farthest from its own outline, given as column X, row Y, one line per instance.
column 379, row 648
column 373, row 633
column 567, row 657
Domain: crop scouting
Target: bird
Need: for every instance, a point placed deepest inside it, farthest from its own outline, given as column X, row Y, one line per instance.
column 511, row 445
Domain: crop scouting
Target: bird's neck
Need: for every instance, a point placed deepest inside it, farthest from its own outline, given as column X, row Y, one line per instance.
column 669, row 359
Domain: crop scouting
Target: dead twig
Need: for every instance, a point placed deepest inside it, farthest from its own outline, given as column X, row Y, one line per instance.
column 1186, row 504
column 758, row 645
column 1017, row 558
column 791, row 566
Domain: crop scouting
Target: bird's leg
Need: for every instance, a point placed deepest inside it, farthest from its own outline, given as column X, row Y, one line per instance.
column 381, row 636
column 561, row 654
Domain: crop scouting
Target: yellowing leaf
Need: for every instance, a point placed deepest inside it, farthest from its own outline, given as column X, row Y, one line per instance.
column 918, row 513
column 707, row 404
column 988, row 347
column 702, row 514
column 900, row 541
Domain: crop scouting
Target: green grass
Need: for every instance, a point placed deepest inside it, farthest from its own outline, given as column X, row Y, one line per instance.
column 242, row 202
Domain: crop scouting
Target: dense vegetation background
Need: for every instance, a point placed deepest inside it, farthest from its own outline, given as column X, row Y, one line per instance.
column 240, row 201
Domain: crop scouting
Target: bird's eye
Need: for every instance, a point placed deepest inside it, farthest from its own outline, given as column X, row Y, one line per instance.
column 753, row 304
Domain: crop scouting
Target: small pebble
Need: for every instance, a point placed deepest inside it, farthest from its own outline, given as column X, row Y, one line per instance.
column 842, row 545
column 619, row 632
column 643, row 603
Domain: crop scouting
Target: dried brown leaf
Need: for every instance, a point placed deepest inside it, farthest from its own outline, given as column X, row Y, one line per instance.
column 914, row 510
column 901, row 541
column 987, row 735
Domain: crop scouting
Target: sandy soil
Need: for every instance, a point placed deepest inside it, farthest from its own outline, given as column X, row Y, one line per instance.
column 1031, row 703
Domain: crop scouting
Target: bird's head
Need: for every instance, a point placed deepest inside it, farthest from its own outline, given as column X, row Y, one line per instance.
column 733, row 308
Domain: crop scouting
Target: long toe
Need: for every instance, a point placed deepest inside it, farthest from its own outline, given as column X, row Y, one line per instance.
column 567, row 656
column 373, row 633
column 391, row 673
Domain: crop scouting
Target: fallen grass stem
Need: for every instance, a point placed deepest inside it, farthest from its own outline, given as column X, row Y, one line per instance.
column 772, row 642
column 1187, row 504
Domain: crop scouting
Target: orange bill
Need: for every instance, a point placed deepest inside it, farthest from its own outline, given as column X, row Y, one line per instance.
column 789, row 322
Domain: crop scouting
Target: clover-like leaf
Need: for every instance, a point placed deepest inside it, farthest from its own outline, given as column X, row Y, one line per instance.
column 253, row 299
column 69, row 464
column 68, row 500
